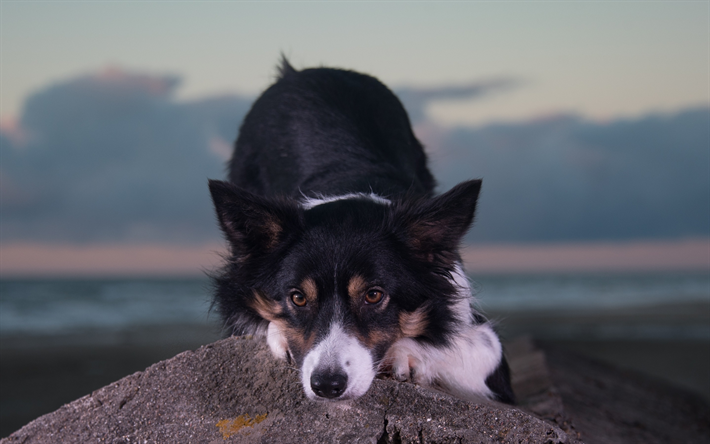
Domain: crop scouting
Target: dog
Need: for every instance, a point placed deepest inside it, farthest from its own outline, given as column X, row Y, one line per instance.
column 340, row 254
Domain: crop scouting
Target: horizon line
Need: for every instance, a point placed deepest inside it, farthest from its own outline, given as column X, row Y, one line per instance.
column 38, row 260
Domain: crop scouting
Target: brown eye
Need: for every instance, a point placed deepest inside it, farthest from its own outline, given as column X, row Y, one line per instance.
column 298, row 299
column 373, row 296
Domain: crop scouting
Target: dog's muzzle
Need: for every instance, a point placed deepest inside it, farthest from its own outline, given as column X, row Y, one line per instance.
column 337, row 368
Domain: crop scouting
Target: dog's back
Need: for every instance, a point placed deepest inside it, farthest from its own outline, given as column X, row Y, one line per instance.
column 286, row 143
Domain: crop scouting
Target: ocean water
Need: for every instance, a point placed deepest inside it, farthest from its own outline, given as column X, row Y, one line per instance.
column 656, row 305
column 590, row 292
column 52, row 306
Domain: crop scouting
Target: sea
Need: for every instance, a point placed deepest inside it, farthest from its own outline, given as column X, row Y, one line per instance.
column 606, row 306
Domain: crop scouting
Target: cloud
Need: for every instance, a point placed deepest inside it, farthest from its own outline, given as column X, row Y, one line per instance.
column 114, row 158
column 417, row 100
column 568, row 179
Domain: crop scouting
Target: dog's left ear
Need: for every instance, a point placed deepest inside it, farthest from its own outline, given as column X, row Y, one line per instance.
column 434, row 227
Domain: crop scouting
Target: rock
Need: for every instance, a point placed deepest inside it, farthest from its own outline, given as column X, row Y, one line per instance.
column 234, row 391
column 608, row 405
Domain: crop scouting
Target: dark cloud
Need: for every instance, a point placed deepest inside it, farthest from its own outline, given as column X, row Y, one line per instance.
column 566, row 179
column 114, row 158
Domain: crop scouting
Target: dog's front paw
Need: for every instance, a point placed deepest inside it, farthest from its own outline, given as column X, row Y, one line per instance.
column 277, row 341
column 396, row 365
column 403, row 363
column 401, row 371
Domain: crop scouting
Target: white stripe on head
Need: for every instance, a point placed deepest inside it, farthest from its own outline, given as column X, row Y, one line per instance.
column 311, row 202
column 340, row 351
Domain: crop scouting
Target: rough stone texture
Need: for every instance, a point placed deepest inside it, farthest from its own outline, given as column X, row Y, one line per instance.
column 233, row 391
column 608, row 405
column 533, row 386
column 237, row 384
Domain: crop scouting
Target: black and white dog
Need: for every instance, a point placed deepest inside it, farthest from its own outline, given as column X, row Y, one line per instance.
column 340, row 254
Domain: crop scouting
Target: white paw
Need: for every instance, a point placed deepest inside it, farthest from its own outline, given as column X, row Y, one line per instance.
column 404, row 361
column 277, row 341
column 401, row 369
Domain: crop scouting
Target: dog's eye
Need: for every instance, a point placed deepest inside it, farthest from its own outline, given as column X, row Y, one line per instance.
column 373, row 296
column 298, row 299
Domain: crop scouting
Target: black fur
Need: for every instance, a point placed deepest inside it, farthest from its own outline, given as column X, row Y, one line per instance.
column 332, row 132
column 499, row 383
column 328, row 132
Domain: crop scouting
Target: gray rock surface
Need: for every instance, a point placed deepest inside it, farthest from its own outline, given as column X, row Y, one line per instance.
column 608, row 405
column 234, row 391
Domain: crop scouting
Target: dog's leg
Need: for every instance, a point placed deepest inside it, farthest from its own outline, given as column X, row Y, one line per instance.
column 277, row 341
column 461, row 367
column 474, row 355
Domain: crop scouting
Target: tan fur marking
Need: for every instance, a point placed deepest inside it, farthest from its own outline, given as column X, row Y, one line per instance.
column 273, row 230
column 376, row 337
column 296, row 340
column 356, row 288
column 413, row 324
column 266, row 308
column 310, row 290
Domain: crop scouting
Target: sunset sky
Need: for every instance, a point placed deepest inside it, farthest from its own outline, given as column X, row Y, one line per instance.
column 608, row 101
column 600, row 59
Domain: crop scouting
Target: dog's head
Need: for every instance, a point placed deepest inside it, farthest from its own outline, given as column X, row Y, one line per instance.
column 337, row 281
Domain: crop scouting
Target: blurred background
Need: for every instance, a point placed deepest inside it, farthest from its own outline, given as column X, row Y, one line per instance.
column 589, row 123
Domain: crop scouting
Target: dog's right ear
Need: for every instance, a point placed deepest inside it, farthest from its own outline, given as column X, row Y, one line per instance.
column 251, row 223
column 433, row 228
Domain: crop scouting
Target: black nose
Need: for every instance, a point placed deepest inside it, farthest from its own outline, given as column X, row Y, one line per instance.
column 328, row 385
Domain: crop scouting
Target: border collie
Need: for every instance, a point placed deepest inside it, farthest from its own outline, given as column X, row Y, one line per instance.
column 340, row 254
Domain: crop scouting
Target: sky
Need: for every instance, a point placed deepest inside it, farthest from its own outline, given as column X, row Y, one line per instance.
column 600, row 59
column 588, row 121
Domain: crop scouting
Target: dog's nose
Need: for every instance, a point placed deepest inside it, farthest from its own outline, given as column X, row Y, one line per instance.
column 329, row 385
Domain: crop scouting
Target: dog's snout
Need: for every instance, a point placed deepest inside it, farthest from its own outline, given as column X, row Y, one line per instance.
column 329, row 384
column 338, row 368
